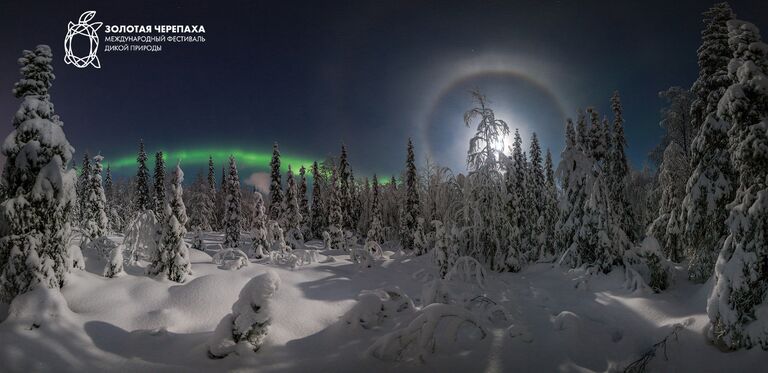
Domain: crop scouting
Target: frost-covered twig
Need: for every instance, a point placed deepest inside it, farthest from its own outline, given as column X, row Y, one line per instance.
column 640, row 365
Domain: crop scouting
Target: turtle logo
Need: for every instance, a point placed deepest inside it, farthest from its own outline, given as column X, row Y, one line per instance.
column 83, row 29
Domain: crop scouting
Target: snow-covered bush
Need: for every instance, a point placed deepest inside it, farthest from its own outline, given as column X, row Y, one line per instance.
column 646, row 264
column 374, row 307
column 39, row 308
column 245, row 329
column 367, row 255
column 326, row 240
column 197, row 239
column 231, row 259
column 436, row 325
column 468, row 270
column 142, row 236
column 102, row 246
column 305, row 256
column 294, row 238
column 75, row 257
column 114, row 266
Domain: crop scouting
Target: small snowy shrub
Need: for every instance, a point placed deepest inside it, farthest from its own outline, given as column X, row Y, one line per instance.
column 142, row 237
column 647, row 262
column 76, row 257
column 114, row 266
column 469, row 270
column 368, row 255
column 374, row 307
column 231, row 259
column 246, row 328
column 102, row 246
column 326, row 240
column 294, row 238
column 436, row 325
column 305, row 256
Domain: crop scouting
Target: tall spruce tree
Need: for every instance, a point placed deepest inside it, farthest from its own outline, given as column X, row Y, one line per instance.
column 143, row 199
column 549, row 214
column 375, row 230
column 172, row 256
column 95, row 216
column 317, row 220
column 291, row 211
column 618, row 170
column 714, row 54
column 671, row 190
column 536, row 188
column 411, row 206
column 345, row 189
column 159, row 196
column 39, row 187
column 83, row 185
column 711, row 185
column 232, row 207
column 737, row 304
column 303, row 201
column 275, row 186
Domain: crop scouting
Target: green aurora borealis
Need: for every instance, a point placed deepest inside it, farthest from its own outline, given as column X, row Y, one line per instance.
column 199, row 157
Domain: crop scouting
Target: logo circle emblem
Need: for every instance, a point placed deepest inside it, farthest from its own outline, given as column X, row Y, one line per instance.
column 83, row 29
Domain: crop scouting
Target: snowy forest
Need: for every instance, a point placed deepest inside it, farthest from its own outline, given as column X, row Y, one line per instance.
column 663, row 268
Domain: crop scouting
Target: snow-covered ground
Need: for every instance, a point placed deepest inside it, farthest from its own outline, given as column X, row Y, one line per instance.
column 556, row 321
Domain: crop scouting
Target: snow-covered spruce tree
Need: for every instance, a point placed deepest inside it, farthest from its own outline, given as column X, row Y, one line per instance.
column 572, row 171
column 335, row 218
column 676, row 122
column 275, row 186
column 39, row 188
column 598, row 137
column 143, row 199
column 737, row 304
column 232, row 206
column 710, row 186
column 593, row 246
column 291, row 211
column 484, row 188
column 714, row 54
column 212, row 195
column 95, row 221
column 549, row 211
column 159, row 196
column 410, row 209
column 345, row 189
column 375, row 230
column 317, row 220
column 536, row 190
column 83, row 184
column 201, row 205
column 674, row 169
column 172, row 255
column 260, row 242
column 108, row 183
column 618, row 169
column 303, row 201
column 516, row 183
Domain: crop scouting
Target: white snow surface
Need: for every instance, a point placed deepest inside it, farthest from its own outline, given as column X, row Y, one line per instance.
column 558, row 320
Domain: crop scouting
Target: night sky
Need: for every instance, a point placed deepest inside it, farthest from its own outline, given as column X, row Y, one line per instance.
column 370, row 74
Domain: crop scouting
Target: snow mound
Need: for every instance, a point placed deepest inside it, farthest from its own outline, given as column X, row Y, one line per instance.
column 437, row 325
column 38, row 308
column 374, row 307
column 246, row 328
